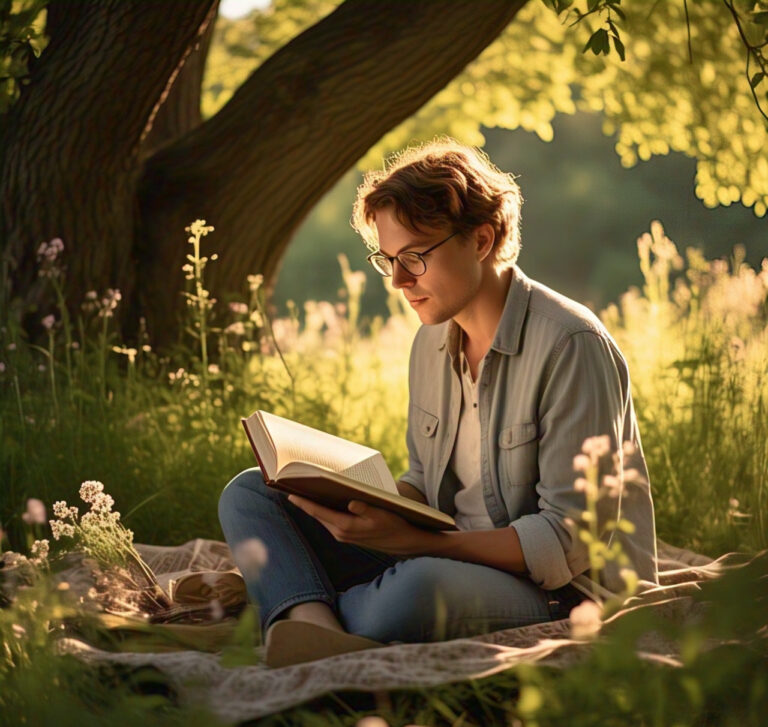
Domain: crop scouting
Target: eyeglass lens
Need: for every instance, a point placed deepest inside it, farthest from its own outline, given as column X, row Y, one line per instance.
column 411, row 262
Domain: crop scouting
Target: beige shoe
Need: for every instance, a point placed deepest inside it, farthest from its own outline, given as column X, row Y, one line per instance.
column 290, row 642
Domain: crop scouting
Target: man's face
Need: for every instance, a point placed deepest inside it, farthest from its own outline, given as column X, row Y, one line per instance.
column 453, row 275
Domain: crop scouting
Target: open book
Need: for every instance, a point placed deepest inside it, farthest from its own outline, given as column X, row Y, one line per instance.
column 330, row 470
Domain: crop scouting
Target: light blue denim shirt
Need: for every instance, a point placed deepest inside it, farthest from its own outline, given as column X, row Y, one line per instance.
column 552, row 378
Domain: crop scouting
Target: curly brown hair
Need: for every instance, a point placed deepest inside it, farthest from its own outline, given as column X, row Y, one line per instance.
column 443, row 182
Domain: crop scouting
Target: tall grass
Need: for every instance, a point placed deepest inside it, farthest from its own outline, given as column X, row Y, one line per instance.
column 696, row 339
column 163, row 433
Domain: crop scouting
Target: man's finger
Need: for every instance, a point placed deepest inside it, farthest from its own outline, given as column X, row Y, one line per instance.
column 320, row 512
column 357, row 507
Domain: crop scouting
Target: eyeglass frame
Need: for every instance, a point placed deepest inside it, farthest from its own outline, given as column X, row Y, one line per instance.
column 419, row 255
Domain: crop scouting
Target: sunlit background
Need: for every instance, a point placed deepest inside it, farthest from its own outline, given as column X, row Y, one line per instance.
column 582, row 215
column 239, row 8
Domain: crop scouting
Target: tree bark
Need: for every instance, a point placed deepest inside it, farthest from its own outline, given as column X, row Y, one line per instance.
column 291, row 131
column 179, row 111
column 70, row 161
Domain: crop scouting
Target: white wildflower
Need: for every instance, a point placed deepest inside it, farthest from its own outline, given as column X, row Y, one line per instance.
column 238, row 308
column 48, row 322
column 256, row 318
column 59, row 529
column 60, row 509
column 90, row 489
column 199, row 229
column 102, row 503
column 40, row 549
column 255, row 282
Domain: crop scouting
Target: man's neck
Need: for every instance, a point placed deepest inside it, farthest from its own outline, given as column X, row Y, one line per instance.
column 480, row 322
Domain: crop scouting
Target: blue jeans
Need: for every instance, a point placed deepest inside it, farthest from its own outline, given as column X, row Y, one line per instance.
column 287, row 557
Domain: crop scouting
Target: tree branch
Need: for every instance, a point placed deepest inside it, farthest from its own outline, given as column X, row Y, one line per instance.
column 299, row 122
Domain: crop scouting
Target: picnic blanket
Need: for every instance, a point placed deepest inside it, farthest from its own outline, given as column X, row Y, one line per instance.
column 204, row 591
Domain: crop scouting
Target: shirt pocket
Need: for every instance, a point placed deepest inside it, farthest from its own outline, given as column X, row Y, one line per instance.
column 519, row 454
column 424, row 423
column 425, row 427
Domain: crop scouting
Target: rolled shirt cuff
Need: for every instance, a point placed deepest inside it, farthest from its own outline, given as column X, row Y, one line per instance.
column 413, row 482
column 543, row 553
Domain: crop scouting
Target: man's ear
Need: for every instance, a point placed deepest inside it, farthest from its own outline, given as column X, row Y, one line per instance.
column 484, row 239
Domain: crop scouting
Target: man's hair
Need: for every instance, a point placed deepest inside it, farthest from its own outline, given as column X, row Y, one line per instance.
column 443, row 182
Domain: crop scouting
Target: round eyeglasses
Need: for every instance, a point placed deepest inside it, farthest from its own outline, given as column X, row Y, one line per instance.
column 412, row 262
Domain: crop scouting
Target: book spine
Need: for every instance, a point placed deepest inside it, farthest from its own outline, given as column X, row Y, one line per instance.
column 264, row 473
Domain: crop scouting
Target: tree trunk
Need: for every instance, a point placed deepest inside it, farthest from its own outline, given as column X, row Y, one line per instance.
column 71, row 153
column 74, row 146
column 291, row 131
column 179, row 110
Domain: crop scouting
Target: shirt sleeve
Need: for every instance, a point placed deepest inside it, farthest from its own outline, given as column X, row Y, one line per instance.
column 585, row 394
column 414, row 475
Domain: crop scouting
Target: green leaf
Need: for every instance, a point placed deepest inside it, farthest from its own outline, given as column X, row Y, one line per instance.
column 592, row 4
column 756, row 79
column 760, row 18
column 599, row 42
column 619, row 48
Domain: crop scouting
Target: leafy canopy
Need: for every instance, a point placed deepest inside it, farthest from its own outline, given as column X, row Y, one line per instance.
column 681, row 87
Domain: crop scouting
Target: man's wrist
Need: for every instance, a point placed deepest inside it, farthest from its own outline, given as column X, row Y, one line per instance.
column 423, row 542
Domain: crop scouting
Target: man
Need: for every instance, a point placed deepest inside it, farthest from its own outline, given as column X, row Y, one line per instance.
column 507, row 381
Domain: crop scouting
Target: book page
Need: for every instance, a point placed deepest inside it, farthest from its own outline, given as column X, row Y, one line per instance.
column 372, row 471
column 296, row 442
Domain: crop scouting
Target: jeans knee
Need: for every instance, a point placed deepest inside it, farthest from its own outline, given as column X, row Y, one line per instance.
column 408, row 602
column 242, row 485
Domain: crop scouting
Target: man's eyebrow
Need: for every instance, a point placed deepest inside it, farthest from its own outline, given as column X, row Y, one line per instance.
column 407, row 247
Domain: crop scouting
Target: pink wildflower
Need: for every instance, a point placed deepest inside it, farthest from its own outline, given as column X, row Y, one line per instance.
column 585, row 619
column 596, row 447
column 250, row 555
column 35, row 514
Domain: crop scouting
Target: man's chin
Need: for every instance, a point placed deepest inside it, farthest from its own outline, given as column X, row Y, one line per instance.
column 431, row 318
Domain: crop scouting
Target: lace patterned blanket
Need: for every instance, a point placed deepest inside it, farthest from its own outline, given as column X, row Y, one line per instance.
column 205, row 590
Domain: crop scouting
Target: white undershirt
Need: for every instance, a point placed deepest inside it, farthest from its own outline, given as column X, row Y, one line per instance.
column 471, row 512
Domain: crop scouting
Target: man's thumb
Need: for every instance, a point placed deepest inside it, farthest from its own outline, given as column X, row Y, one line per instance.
column 356, row 507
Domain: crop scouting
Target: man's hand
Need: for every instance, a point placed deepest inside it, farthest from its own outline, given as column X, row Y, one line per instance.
column 369, row 527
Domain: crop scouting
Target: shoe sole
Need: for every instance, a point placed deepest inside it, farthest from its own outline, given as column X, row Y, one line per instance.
column 290, row 642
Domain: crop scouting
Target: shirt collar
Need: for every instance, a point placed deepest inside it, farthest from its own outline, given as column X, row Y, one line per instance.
column 508, row 338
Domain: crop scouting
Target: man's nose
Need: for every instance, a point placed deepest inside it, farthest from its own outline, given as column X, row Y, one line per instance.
column 401, row 278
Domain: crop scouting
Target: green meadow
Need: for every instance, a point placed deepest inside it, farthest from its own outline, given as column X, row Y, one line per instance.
column 162, row 433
